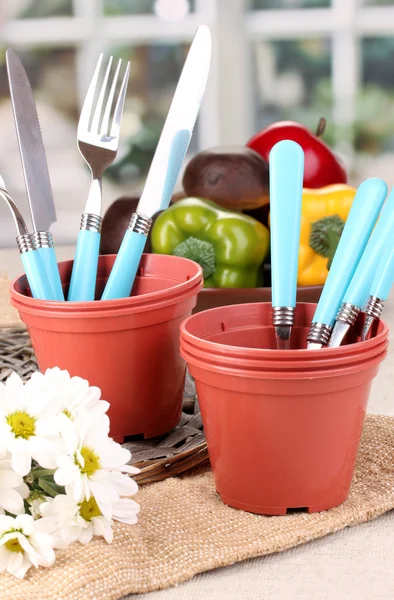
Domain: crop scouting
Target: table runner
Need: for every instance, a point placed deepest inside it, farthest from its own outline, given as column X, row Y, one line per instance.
column 185, row 529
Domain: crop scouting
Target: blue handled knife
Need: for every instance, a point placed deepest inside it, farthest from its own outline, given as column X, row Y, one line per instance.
column 357, row 293
column 362, row 217
column 35, row 168
column 166, row 164
column 286, row 165
column 380, row 289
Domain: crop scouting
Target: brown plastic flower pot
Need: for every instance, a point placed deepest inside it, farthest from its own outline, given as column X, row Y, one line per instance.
column 128, row 347
column 279, row 439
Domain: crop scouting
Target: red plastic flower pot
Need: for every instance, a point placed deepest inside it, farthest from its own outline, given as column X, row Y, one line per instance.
column 279, row 439
column 128, row 347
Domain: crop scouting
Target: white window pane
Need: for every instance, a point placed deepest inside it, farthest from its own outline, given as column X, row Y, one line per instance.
column 377, row 2
column 374, row 123
column 52, row 75
column 293, row 81
column 38, row 9
column 140, row 7
column 289, row 4
column 155, row 70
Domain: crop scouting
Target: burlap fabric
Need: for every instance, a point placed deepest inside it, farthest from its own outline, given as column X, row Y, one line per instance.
column 184, row 529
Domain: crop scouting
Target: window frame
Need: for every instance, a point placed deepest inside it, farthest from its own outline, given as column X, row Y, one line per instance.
column 227, row 113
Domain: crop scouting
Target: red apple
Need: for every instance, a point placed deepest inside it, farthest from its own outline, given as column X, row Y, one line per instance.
column 322, row 166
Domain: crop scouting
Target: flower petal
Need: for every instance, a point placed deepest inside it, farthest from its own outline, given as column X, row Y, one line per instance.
column 126, row 511
column 21, row 462
column 40, row 444
column 26, row 523
column 6, row 523
column 23, row 490
column 124, row 485
column 43, row 546
column 113, row 456
column 11, row 501
column 9, row 479
column 86, row 535
column 47, row 460
column 104, row 492
column 18, row 565
column 49, row 426
column 103, row 527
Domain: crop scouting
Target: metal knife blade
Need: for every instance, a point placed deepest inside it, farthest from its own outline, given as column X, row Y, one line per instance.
column 178, row 128
column 338, row 333
column 31, row 146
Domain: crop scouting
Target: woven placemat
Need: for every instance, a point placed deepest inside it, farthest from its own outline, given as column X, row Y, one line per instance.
column 181, row 450
column 184, row 529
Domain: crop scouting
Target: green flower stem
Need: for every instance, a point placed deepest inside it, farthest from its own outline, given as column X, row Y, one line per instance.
column 42, row 472
column 50, row 487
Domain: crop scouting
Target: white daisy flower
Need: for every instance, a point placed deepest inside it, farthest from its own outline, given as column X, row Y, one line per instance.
column 94, row 465
column 23, row 545
column 68, row 520
column 73, row 395
column 27, row 428
column 13, row 490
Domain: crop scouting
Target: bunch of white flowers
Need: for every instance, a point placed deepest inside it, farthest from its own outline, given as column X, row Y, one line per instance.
column 62, row 478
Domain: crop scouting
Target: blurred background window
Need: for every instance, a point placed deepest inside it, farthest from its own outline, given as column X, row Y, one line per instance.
column 273, row 60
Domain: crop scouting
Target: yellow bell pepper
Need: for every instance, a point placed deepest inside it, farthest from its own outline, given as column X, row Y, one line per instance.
column 323, row 214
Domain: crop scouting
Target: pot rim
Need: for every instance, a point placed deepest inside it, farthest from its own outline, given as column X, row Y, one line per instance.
column 97, row 307
column 337, row 372
column 225, row 349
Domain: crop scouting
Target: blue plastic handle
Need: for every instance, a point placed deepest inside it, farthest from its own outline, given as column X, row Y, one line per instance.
column 366, row 206
column 384, row 277
column 36, row 275
column 84, row 273
column 286, row 164
column 358, row 291
column 48, row 257
column 125, row 266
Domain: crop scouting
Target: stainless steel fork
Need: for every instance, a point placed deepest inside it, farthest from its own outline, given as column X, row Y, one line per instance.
column 98, row 143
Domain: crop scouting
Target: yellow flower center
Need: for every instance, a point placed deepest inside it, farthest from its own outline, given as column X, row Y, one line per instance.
column 68, row 414
column 92, row 461
column 22, row 424
column 88, row 509
column 13, row 545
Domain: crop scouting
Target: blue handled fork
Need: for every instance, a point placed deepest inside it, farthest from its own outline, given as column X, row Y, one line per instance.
column 98, row 144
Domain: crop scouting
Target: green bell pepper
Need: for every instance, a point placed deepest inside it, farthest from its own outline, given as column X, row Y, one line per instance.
column 230, row 246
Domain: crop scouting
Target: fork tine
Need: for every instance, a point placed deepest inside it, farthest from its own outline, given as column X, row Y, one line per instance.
column 83, row 124
column 115, row 129
column 107, row 112
column 100, row 100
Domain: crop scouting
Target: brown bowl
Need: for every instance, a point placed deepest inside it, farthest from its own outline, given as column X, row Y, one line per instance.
column 213, row 297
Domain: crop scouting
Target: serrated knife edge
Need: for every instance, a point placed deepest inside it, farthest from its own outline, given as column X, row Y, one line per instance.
column 31, row 146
